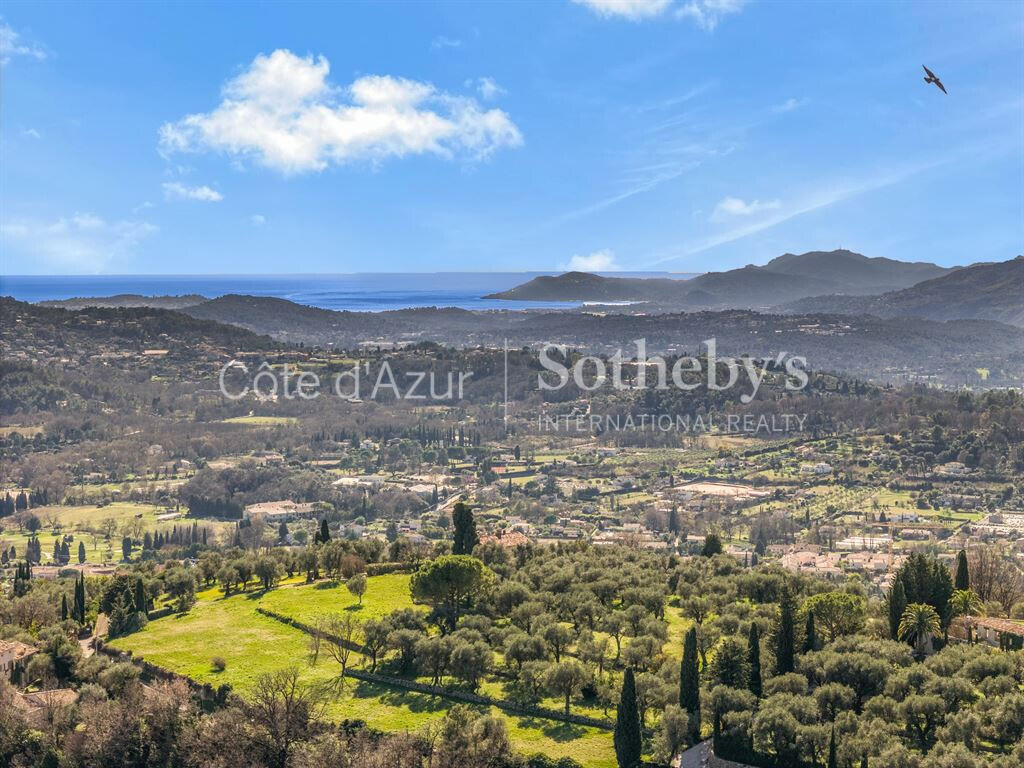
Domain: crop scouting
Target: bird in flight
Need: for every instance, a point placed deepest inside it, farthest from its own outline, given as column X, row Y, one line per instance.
column 933, row 78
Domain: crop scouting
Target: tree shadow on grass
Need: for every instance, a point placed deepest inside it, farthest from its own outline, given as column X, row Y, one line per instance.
column 553, row 729
column 353, row 608
column 411, row 700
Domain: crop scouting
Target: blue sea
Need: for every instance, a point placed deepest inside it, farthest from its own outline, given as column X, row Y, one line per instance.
column 361, row 292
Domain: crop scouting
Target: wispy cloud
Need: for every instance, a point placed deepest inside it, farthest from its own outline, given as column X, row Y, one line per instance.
column 706, row 14
column 731, row 207
column 258, row 219
column 642, row 180
column 487, row 87
column 789, row 105
column 651, row 164
column 634, row 10
column 12, row 45
column 174, row 190
column 823, row 197
column 32, row 133
column 283, row 112
column 83, row 242
column 597, row 261
column 441, row 42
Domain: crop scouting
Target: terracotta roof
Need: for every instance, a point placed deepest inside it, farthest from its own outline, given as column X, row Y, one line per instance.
column 1001, row 625
column 36, row 707
column 20, row 650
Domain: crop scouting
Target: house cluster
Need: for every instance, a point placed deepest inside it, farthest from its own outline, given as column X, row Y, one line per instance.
column 873, row 566
column 817, row 468
column 1004, row 525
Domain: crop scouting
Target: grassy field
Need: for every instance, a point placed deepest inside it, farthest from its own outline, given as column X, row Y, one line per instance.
column 305, row 602
column 84, row 523
column 252, row 644
column 261, row 421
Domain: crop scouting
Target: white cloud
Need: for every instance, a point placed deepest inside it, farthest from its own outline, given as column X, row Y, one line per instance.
column 258, row 219
column 729, row 207
column 11, row 45
column 32, row 133
column 174, row 190
column 487, row 87
column 441, row 41
column 707, row 13
column 283, row 112
column 598, row 261
column 83, row 242
column 789, row 105
column 635, row 10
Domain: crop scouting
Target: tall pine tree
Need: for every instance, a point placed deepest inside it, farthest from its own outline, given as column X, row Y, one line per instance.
column 832, row 760
column 628, row 741
column 689, row 684
column 785, row 643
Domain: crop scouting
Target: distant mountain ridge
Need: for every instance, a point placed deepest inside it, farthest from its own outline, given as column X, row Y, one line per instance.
column 993, row 291
column 785, row 278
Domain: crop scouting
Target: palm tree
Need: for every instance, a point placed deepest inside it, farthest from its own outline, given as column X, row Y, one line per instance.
column 965, row 603
column 918, row 625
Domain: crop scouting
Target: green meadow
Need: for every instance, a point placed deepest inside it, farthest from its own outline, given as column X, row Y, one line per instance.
column 252, row 644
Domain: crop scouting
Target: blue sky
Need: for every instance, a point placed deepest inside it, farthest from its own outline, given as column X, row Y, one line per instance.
column 683, row 135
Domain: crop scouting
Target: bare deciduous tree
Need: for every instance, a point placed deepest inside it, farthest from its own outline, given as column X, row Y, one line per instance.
column 283, row 709
column 339, row 635
column 994, row 577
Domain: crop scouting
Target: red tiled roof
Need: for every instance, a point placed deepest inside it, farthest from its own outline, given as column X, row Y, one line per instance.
column 1006, row 626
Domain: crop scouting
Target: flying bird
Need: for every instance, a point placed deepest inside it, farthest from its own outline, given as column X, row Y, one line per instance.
column 933, row 78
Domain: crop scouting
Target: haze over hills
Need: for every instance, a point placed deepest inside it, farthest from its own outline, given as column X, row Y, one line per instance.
column 127, row 300
column 783, row 279
column 978, row 292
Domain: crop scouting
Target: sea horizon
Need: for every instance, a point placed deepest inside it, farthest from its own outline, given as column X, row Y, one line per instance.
column 352, row 291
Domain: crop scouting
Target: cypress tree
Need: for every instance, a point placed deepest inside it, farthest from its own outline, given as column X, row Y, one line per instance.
column 897, row 605
column 754, row 659
column 810, row 634
column 963, row 577
column 689, row 684
column 785, row 645
column 80, row 599
column 141, row 603
column 64, row 607
column 628, row 741
column 325, row 533
column 832, row 761
column 465, row 537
